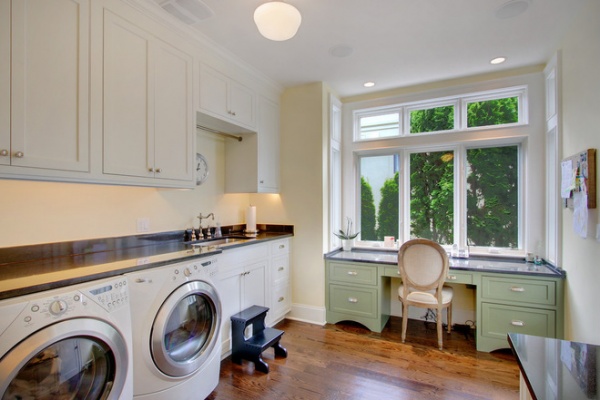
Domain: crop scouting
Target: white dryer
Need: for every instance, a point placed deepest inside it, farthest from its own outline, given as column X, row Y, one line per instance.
column 176, row 319
column 69, row 343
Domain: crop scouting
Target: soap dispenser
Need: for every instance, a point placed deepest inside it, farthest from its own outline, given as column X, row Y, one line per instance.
column 218, row 230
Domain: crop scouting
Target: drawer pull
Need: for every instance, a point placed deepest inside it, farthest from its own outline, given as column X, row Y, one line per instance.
column 516, row 322
column 451, row 277
column 280, row 299
column 353, row 273
column 352, row 300
column 517, row 289
column 280, row 269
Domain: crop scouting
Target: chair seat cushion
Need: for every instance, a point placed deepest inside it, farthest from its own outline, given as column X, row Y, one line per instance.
column 427, row 297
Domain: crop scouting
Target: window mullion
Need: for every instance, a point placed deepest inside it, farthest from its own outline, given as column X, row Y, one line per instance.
column 460, row 197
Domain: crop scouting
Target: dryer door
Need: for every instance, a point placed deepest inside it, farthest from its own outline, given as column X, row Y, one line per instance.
column 78, row 358
column 186, row 329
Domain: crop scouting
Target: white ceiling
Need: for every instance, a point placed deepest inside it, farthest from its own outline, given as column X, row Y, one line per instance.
column 395, row 43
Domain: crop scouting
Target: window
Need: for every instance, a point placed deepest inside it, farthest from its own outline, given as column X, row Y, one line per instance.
column 432, row 196
column 432, row 119
column 454, row 189
column 379, row 126
column 493, row 197
column 490, row 189
column 379, row 194
column 493, row 112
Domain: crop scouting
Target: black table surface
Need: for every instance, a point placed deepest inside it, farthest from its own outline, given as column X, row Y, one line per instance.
column 557, row 369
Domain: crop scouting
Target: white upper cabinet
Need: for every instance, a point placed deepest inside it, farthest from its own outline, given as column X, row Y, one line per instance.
column 223, row 97
column 148, row 107
column 44, row 95
column 252, row 165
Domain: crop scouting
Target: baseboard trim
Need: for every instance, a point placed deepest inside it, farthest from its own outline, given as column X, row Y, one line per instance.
column 310, row 314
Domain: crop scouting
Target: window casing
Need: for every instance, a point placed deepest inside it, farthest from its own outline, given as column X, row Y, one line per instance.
column 455, row 150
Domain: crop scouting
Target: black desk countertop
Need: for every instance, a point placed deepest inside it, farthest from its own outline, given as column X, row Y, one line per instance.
column 555, row 369
column 480, row 264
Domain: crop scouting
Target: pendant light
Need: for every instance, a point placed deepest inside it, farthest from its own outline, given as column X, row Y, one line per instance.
column 277, row 20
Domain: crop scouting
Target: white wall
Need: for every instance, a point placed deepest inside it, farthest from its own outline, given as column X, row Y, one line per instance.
column 45, row 212
column 581, row 130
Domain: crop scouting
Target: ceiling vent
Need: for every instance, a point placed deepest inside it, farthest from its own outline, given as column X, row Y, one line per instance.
column 188, row 11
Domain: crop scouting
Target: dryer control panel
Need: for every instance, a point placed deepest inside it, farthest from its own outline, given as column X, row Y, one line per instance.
column 203, row 268
column 111, row 295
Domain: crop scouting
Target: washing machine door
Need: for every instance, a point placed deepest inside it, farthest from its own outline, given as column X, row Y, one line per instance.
column 79, row 358
column 186, row 329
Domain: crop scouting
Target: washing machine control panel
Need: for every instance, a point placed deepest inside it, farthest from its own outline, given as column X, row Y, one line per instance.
column 206, row 268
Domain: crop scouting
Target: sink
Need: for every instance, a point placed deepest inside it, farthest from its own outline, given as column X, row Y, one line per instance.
column 227, row 241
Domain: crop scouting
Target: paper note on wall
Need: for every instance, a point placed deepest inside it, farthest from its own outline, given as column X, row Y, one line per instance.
column 568, row 175
column 580, row 213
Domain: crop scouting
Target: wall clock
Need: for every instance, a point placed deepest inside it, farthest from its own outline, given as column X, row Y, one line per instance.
column 201, row 169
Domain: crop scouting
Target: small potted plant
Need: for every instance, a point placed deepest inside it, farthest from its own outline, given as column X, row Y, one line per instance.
column 346, row 236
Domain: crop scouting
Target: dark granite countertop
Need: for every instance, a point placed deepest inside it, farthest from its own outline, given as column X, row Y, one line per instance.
column 555, row 369
column 30, row 269
column 480, row 264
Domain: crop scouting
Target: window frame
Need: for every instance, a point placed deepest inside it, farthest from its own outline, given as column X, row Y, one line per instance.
column 458, row 139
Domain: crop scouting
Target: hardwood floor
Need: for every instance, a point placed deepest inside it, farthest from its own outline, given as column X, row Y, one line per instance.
column 347, row 361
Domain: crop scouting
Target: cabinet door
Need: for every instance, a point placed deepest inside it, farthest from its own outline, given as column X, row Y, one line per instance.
column 241, row 104
column 4, row 82
column 173, row 118
column 268, row 147
column 127, row 110
column 49, row 93
column 213, row 92
column 255, row 285
column 229, row 286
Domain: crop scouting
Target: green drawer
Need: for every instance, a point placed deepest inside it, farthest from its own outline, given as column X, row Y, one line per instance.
column 459, row 277
column 350, row 300
column 391, row 271
column 353, row 274
column 499, row 319
column 519, row 290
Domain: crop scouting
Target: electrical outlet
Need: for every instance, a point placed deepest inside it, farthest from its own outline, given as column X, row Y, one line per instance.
column 143, row 224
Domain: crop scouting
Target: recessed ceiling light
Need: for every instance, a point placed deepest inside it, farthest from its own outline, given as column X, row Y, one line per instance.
column 369, row 84
column 498, row 60
column 512, row 9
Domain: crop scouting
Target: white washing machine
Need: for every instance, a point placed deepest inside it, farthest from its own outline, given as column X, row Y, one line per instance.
column 176, row 322
column 69, row 343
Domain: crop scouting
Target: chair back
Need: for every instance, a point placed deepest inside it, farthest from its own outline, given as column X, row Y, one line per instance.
column 423, row 265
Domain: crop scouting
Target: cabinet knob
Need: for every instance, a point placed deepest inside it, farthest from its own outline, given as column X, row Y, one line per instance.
column 4, row 152
column 150, row 169
column 280, row 269
column 158, row 170
column 279, row 300
column 19, row 154
column 352, row 300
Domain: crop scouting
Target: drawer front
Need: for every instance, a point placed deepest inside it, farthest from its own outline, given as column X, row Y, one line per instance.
column 281, row 300
column 498, row 320
column 459, row 277
column 349, row 300
column 280, row 247
column 391, row 271
column 352, row 273
column 280, row 268
column 519, row 290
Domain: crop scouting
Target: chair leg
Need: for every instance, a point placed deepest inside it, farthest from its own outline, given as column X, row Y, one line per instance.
column 439, row 327
column 404, row 321
column 449, row 317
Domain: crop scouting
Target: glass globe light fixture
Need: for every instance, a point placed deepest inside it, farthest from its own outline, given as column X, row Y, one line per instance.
column 277, row 20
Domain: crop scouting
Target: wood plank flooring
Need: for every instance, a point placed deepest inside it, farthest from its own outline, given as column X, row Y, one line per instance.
column 347, row 361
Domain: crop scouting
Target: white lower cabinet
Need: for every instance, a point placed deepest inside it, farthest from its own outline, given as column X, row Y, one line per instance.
column 256, row 274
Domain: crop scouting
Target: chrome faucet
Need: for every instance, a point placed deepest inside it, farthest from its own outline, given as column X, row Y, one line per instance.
column 201, row 217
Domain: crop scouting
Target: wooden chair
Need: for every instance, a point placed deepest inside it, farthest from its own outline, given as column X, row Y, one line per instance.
column 423, row 266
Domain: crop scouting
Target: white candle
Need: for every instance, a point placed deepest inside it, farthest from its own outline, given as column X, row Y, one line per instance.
column 251, row 219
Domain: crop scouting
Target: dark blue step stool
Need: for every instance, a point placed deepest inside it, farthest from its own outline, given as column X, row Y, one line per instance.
column 262, row 338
